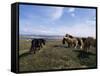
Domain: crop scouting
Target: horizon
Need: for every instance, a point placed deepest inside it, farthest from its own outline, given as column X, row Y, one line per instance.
column 51, row 35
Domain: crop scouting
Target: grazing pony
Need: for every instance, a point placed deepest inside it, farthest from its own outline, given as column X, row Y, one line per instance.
column 88, row 43
column 72, row 42
column 84, row 43
column 69, row 42
column 41, row 42
column 36, row 44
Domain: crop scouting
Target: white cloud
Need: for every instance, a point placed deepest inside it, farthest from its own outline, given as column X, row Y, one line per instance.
column 80, row 30
column 71, row 10
column 57, row 13
column 50, row 13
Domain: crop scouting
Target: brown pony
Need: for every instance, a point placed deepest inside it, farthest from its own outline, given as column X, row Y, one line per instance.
column 72, row 42
column 88, row 43
column 83, row 43
column 36, row 44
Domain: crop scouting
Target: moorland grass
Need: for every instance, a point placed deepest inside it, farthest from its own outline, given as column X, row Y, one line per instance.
column 54, row 55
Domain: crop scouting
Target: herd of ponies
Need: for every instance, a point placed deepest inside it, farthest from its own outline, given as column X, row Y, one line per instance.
column 83, row 43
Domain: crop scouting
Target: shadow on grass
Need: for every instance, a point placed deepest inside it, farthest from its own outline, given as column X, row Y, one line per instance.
column 24, row 54
column 83, row 53
column 86, row 58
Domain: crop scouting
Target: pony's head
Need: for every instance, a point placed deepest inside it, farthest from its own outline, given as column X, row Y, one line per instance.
column 66, row 39
column 70, row 36
column 63, row 41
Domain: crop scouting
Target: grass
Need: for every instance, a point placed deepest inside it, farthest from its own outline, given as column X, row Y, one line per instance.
column 53, row 56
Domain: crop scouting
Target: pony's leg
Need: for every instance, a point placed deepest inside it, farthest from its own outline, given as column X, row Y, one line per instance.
column 81, row 47
column 34, row 49
column 88, row 49
column 73, row 45
column 41, row 45
column 76, row 44
column 68, row 45
column 85, row 49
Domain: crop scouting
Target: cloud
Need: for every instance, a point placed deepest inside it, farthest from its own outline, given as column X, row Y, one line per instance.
column 57, row 12
column 71, row 10
column 81, row 30
column 33, row 24
column 48, row 13
column 85, row 29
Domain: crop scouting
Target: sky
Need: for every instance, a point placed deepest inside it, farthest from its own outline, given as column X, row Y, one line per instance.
column 51, row 20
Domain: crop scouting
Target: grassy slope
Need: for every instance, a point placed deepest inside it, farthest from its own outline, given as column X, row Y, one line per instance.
column 53, row 56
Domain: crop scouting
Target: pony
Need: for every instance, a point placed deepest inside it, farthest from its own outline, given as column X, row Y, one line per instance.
column 41, row 42
column 84, row 43
column 69, row 42
column 90, row 41
column 36, row 44
column 72, row 42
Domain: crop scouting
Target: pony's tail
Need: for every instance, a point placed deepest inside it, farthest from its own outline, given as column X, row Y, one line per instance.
column 63, row 41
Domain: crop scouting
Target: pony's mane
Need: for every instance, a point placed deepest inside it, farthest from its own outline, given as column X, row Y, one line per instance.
column 70, row 36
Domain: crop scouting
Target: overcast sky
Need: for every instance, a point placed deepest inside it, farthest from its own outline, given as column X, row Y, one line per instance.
column 48, row 20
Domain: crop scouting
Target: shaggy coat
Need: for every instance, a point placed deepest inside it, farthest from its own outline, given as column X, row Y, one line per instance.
column 72, row 42
column 89, row 42
column 36, row 44
column 83, row 43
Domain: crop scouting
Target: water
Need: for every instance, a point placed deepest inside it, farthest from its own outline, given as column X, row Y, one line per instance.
column 47, row 37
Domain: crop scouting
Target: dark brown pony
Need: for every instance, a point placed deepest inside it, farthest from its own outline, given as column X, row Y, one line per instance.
column 88, row 42
column 42, row 42
column 36, row 44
